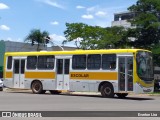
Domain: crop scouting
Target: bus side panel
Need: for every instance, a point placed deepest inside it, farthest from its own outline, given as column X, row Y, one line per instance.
column 8, row 82
column 89, row 85
column 8, row 79
column 48, row 84
column 81, row 86
column 115, row 86
column 27, row 83
column 47, row 78
column 90, row 80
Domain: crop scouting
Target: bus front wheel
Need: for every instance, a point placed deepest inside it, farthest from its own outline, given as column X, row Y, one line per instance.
column 37, row 87
column 107, row 90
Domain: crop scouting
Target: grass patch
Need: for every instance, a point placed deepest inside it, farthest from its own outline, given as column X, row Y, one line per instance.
column 158, row 92
column 155, row 93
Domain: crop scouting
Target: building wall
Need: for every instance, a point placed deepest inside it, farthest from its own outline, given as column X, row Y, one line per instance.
column 2, row 50
column 11, row 46
column 123, row 23
column 121, row 19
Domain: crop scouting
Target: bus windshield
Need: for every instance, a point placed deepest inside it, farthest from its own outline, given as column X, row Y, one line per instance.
column 144, row 66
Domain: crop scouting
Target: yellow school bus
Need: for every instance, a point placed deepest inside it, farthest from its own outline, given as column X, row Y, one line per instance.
column 110, row 72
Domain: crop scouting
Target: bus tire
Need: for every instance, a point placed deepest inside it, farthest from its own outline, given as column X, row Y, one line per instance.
column 55, row 92
column 37, row 87
column 121, row 95
column 107, row 90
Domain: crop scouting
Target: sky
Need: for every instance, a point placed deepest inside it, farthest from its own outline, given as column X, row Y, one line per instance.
column 19, row 17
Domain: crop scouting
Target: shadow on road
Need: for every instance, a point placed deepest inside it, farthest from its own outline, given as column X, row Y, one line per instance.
column 99, row 96
column 137, row 98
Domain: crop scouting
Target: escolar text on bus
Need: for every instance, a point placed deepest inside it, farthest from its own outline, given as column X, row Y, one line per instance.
column 80, row 75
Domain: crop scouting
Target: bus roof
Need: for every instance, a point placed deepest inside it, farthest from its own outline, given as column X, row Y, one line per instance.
column 104, row 51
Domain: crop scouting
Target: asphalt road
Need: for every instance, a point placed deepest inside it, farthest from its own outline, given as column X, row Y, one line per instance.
column 26, row 101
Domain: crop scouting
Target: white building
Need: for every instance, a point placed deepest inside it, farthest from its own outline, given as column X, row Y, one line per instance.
column 121, row 19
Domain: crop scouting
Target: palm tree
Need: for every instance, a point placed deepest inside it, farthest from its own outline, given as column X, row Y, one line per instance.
column 36, row 36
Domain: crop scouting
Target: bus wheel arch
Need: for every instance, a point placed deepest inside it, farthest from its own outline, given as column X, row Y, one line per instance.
column 37, row 87
column 106, row 89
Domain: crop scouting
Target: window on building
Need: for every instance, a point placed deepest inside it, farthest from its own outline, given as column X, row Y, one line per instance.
column 31, row 62
column 9, row 62
column 46, row 62
column 79, row 62
column 94, row 61
column 108, row 61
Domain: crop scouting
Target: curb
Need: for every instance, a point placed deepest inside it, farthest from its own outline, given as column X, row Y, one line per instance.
column 73, row 93
column 16, row 90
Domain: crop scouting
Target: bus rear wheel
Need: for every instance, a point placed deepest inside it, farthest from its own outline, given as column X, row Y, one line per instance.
column 55, row 92
column 37, row 87
column 107, row 90
column 121, row 95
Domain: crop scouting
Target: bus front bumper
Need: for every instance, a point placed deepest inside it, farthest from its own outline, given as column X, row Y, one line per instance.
column 140, row 89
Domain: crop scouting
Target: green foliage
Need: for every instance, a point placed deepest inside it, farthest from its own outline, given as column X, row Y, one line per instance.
column 114, row 37
column 94, row 37
column 85, row 36
column 156, row 55
column 36, row 36
column 147, row 32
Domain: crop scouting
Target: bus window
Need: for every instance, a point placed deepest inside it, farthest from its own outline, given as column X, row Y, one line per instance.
column 16, row 66
column 59, row 66
column 50, row 62
column 112, row 65
column 108, row 61
column 79, row 62
column 22, row 66
column 66, row 66
column 9, row 62
column 31, row 62
column 94, row 62
column 46, row 62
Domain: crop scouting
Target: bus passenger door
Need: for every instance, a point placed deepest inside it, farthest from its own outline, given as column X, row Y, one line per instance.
column 62, row 77
column 125, row 81
column 66, row 74
column 19, row 67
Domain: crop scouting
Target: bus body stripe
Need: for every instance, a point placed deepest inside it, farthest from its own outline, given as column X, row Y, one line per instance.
column 73, row 75
column 94, row 75
column 42, row 75
column 9, row 75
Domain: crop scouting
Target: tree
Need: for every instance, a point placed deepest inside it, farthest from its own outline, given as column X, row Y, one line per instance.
column 36, row 36
column 94, row 37
column 146, row 20
column 82, row 34
column 156, row 55
column 114, row 37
